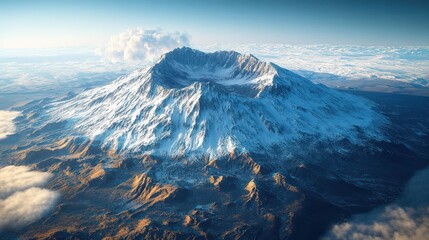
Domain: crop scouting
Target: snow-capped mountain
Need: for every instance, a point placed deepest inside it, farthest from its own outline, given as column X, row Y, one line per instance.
column 193, row 103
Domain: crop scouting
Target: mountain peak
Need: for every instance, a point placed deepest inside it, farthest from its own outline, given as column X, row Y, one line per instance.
column 183, row 53
column 192, row 103
column 185, row 66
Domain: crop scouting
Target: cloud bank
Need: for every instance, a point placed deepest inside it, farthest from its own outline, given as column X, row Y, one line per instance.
column 392, row 222
column 407, row 218
column 7, row 127
column 22, row 201
column 34, row 74
column 140, row 46
column 410, row 64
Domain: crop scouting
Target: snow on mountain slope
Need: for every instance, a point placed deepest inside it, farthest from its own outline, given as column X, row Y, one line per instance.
column 194, row 103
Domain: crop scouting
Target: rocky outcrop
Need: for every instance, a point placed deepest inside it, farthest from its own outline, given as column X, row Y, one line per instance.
column 255, row 195
column 223, row 183
column 99, row 175
column 145, row 191
column 280, row 181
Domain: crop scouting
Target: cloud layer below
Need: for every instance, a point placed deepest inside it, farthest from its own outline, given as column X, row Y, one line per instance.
column 34, row 74
column 22, row 200
column 7, row 127
column 142, row 46
column 407, row 218
column 349, row 62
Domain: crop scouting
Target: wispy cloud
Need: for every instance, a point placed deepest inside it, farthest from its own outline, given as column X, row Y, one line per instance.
column 22, row 200
column 392, row 222
column 57, row 70
column 140, row 45
column 407, row 218
column 7, row 127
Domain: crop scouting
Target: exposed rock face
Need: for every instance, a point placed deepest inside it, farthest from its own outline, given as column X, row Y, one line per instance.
column 98, row 175
column 149, row 193
column 222, row 183
column 255, row 194
column 281, row 182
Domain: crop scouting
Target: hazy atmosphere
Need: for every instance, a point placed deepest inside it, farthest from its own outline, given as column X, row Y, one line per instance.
column 214, row 119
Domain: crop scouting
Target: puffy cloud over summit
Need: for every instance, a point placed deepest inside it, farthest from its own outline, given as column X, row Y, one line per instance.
column 22, row 201
column 139, row 45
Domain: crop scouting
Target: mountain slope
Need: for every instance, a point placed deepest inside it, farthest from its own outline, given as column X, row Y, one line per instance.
column 195, row 103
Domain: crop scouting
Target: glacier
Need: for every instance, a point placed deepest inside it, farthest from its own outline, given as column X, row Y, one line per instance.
column 191, row 103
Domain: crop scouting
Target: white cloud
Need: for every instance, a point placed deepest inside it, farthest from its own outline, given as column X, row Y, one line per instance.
column 141, row 46
column 22, row 201
column 7, row 127
column 25, row 207
column 17, row 178
column 391, row 222
column 407, row 218
column 45, row 72
column 349, row 62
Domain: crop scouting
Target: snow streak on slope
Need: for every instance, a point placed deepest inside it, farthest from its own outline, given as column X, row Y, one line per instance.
column 193, row 103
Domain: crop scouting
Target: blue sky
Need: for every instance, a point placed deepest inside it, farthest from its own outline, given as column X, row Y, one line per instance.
column 29, row 24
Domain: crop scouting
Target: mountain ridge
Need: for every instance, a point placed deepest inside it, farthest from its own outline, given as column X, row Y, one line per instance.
column 192, row 103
